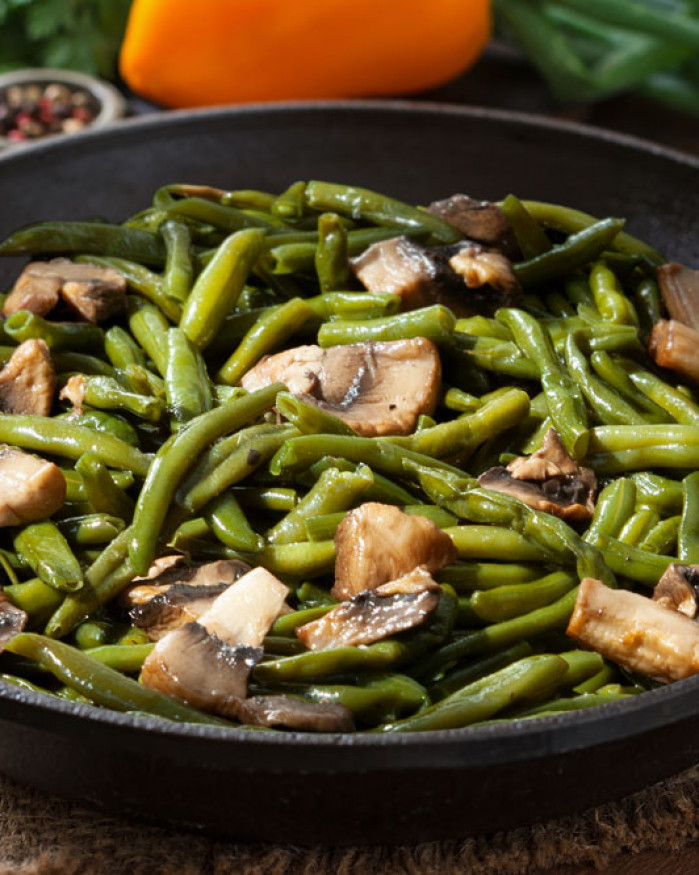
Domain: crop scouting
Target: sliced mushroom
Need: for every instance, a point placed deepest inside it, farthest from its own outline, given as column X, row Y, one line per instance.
column 635, row 632
column 376, row 388
column 376, row 543
column 208, row 662
column 460, row 276
column 548, row 480
column 477, row 220
column 28, row 380
column 96, row 293
column 374, row 614
column 679, row 287
column 12, row 620
column 174, row 595
column 291, row 712
column 677, row 589
column 30, row 489
column 675, row 346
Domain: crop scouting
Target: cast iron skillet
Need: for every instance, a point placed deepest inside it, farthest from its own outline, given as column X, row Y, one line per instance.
column 367, row 788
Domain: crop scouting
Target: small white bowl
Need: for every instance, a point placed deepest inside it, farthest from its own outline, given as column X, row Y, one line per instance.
column 112, row 105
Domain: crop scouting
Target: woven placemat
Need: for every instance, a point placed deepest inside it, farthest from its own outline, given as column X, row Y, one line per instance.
column 41, row 835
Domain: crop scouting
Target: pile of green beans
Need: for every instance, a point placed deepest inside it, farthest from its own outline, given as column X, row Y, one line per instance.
column 169, row 454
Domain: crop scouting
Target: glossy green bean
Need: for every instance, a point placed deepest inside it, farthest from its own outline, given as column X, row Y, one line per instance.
column 103, row 494
column 179, row 269
column 228, row 522
column 615, row 505
column 638, row 526
column 58, row 336
column 435, row 323
column 504, row 602
column 662, row 538
column 688, row 539
column 310, row 418
column 35, row 597
column 331, row 260
column 150, row 328
column 85, row 531
column 49, row 555
column 531, row 237
column 187, row 385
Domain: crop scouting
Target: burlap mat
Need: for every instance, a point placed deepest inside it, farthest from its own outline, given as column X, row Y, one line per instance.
column 42, row 835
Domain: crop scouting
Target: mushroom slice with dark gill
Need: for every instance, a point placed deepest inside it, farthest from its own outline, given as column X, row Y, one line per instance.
column 28, row 380
column 679, row 287
column 30, row 488
column 481, row 221
column 377, row 388
column 674, row 345
column 377, row 543
column 548, row 480
column 95, row 293
column 177, row 595
column 635, row 632
column 466, row 277
column 374, row 614
column 209, row 661
column 12, row 620
column 677, row 589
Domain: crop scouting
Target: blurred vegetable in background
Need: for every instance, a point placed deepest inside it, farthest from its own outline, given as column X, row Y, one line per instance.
column 80, row 35
column 235, row 51
column 588, row 50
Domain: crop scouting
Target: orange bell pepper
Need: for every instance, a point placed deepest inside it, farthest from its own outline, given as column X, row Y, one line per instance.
column 181, row 53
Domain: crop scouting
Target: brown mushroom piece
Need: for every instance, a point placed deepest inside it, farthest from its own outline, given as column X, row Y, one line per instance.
column 377, row 543
column 95, row 293
column 675, row 345
column 377, row 388
column 635, row 632
column 466, row 277
column 28, row 380
column 175, row 595
column 548, row 480
column 209, row 661
column 291, row 712
column 374, row 614
column 679, row 287
column 481, row 221
column 30, row 488
column 12, row 620
column 677, row 589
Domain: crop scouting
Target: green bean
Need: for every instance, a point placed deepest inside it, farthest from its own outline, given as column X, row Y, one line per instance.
column 173, row 460
column 103, row 494
column 98, row 528
column 103, row 422
column 662, row 538
column 272, row 498
column 59, row 336
column 469, row 576
column 531, row 678
column 121, row 657
column 90, row 238
column 309, row 418
column 610, row 408
column 92, row 633
column 658, row 492
column 187, row 384
column 122, row 349
column 504, row 602
column 290, row 204
column 75, row 485
column 637, row 527
column 561, row 705
column 479, row 668
column 222, row 217
column 579, row 249
column 228, row 522
column 649, row 304
column 605, row 367
column 296, row 561
column 382, row 489
column 288, row 623
column 565, row 404
column 492, row 542
column 179, row 270
column 312, row 595
column 332, row 265
column 334, row 491
column 688, row 542
column 150, row 328
column 103, row 685
column 456, row 399
column 35, row 597
column 680, row 408
column 615, row 505
column 377, row 209
column 499, row 635
column 384, row 698
column 357, row 305
column 49, row 556
column 610, row 300
column 633, row 562
column 271, row 329
column 199, row 489
column 218, row 287
column 571, row 221
column 529, row 234
column 592, row 684
column 435, row 323
column 105, row 393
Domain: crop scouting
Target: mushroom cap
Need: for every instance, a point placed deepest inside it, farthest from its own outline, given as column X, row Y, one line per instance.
column 676, row 589
column 12, row 620
column 30, row 488
column 377, row 388
column 28, row 380
column 376, row 543
column 290, row 712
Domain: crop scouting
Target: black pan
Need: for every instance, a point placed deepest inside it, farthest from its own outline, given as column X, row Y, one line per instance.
column 351, row 789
